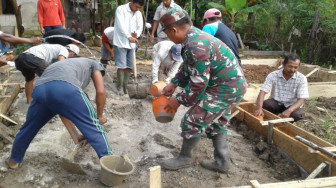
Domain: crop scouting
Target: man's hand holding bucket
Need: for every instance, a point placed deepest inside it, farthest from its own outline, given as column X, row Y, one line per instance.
column 173, row 104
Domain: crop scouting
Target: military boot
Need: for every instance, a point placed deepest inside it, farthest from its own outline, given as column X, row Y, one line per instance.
column 120, row 81
column 221, row 154
column 185, row 159
column 126, row 78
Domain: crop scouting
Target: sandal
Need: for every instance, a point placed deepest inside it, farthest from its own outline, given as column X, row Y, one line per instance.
column 17, row 165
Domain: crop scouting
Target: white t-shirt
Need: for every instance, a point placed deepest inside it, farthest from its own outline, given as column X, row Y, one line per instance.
column 162, row 60
column 48, row 52
column 125, row 23
column 109, row 32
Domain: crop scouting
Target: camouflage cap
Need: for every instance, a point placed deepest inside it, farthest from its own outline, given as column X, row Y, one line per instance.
column 173, row 15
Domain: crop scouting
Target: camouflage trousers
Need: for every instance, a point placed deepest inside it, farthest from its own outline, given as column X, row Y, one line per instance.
column 211, row 116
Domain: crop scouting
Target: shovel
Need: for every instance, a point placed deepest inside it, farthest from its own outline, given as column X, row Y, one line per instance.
column 136, row 90
column 68, row 161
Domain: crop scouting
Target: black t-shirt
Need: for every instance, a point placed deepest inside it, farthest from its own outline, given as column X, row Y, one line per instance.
column 59, row 40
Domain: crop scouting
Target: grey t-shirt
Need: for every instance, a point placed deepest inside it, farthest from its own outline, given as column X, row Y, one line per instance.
column 48, row 52
column 76, row 71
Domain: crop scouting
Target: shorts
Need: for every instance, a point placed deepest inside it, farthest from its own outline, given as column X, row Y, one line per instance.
column 104, row 53
column 123, row 57
column 30, row 65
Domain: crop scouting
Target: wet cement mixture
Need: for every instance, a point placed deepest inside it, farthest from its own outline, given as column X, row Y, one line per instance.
column 133, row 131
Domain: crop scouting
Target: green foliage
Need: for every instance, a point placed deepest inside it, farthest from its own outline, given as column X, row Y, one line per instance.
column 233, row 6
column 328, row 125
column 89, row 35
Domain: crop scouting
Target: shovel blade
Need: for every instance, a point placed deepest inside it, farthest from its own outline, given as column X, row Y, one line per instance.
column 72, row 167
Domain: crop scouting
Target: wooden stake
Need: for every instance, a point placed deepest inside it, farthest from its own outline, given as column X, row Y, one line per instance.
column 234, row 114
column 240, row 41
column 270, row 133
column 316, row 171
column 155, row 177
column 254, row 184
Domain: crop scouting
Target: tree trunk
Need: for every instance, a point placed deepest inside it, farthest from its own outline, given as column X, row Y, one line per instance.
column 277, row 28
column 312, row 38
column 17, row 12
column 102, row 16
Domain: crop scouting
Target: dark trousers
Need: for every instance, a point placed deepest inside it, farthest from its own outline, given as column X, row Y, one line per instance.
column 276, row 108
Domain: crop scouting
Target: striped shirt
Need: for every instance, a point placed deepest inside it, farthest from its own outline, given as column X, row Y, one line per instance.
column 285, row 91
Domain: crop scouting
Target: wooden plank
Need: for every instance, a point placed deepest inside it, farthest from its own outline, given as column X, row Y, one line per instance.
column 283, row 137
column 255, row 184
column 268, row 62
column 4, row 96
column 5, row 133
column 274, row 121
column 255, row 125
column 299, row 153
column 8, row 119
column 265, row 53
column 312, row 72
column 7, row 102
column 155, row 177
column 312, row 183
column 316, row 171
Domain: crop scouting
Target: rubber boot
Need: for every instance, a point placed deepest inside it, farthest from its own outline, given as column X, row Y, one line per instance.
column 120, row 81
column 126, row 78
column 104, row 62
column 185, row 159
column 221, row 154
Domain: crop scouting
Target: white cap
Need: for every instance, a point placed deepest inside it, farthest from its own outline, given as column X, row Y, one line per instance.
column 73, row 48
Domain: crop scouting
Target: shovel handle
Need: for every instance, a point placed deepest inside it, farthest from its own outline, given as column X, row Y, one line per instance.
column 135, row 68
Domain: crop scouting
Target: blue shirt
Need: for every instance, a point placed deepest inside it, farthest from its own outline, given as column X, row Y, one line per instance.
column 225, row 34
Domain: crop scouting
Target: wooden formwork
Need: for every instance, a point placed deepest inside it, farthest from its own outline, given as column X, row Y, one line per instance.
column 284, row 138
column 9, row 88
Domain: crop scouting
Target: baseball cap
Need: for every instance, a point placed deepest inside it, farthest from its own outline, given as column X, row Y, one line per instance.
column 73, row 48
column 210, row 13
column 176, row 52
column 173, row 15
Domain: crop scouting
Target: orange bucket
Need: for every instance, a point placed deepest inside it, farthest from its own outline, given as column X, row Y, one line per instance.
column 156, row 89
column 161, row 114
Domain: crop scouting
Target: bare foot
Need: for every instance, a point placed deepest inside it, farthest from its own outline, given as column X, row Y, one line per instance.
column 11, row 164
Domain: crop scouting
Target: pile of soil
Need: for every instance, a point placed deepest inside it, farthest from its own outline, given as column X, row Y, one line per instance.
column 257, row 73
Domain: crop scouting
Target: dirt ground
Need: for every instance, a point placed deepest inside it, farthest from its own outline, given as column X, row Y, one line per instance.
column 133, row 131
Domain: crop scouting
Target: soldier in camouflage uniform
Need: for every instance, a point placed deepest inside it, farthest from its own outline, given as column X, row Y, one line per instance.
column 213, row 84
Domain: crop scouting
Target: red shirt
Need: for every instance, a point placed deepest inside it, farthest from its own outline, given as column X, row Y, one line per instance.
column 50, row 13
